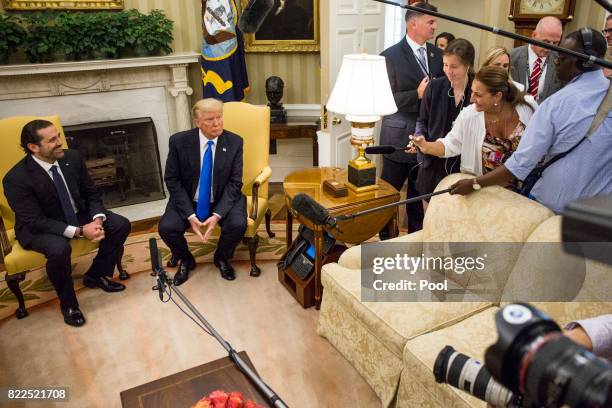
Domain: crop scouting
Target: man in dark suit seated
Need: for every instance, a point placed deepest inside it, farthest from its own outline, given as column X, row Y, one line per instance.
column 54, row 201
column 204, row 178
column 411, row 64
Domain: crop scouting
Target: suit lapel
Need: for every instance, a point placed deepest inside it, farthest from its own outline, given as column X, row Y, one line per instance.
column 70, row 177
column 193, row 153
column 40, row 177
column 524, row 72
column 411, row 58
column 219, row 163
column 431, row 59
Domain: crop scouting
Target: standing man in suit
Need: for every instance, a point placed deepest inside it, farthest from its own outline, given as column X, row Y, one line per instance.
column 411, row 64
column 532, row 66
column 204, row 179
column 55, row 201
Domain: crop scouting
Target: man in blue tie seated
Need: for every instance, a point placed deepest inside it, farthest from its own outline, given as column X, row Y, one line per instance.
column 204, row 178
column 54, row 201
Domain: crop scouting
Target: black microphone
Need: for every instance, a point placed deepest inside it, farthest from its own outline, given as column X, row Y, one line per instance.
column 254, row 14
column 383, row 149
column 313, row 211
column 156, row 262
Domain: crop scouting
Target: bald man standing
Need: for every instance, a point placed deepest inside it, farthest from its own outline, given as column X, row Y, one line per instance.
column 532, row 66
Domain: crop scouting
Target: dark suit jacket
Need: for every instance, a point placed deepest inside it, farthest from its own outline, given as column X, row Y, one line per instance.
column 182, row 173
column 32, row 196
column 433, row 122
column 405, row 75
column 519, row 61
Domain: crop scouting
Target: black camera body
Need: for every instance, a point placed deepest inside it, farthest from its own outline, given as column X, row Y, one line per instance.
column 533, row 364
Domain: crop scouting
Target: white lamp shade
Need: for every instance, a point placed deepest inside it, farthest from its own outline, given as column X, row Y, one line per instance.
column 362, row 91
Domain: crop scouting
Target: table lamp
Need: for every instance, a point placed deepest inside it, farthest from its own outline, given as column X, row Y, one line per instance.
column 363, row 94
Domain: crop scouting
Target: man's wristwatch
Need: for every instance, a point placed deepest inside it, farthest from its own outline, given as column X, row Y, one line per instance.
column 79, row 232
column 475, row 184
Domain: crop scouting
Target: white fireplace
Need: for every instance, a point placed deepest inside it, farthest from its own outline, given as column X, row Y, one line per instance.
column 96, row 91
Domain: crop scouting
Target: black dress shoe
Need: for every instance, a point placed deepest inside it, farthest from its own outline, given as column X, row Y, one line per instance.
column 182, row 274
column 173, row 261
column 103, row 283
column 226, row 269
column 73, row 316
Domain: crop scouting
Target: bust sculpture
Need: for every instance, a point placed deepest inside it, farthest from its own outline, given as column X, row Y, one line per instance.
column 274, row 92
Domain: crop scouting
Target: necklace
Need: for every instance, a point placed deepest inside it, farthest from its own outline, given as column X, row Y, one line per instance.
column 494, row 121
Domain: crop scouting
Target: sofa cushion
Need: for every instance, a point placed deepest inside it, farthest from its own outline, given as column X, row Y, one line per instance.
column 418, row 386
column 351, row 258
column 393, row 323
column 493, row 214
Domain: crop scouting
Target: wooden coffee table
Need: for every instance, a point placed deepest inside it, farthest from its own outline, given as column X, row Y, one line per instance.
column 184, row 389
column 310, row 181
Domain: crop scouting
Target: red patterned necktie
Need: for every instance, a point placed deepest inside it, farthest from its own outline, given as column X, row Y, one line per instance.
column 534, row 78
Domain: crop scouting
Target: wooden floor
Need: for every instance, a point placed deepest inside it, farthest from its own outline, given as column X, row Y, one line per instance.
column 132, row 338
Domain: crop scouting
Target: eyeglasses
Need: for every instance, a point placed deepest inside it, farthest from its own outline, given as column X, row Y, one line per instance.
column 607, row 31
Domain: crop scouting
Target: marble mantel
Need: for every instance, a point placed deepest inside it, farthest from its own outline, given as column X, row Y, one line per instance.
column 19, row 82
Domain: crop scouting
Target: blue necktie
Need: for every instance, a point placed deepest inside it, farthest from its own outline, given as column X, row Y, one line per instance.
column 64, row 197
column 203, row 208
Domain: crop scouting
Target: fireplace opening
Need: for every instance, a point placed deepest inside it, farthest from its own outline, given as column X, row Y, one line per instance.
column 122, row 159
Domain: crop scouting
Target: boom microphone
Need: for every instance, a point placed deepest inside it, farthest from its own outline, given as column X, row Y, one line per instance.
column 254, row 14
column 313, row 211
column 383, row 149
column 156, row 266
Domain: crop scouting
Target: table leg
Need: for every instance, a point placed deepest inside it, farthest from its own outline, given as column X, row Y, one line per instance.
column 289, row 229
column 318, row 237
column 393, row 227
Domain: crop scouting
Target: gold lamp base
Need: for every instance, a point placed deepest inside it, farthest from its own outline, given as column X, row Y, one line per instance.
column 361, row 170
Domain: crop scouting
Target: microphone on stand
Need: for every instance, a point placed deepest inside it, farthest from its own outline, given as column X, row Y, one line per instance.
column 308, row 208
column 158, row 271
column 254, row 14
column 304, row 205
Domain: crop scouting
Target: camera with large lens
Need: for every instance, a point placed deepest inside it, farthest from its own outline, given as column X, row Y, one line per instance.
column 534, row 364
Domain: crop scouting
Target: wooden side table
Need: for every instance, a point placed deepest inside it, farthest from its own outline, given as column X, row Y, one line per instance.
column 295, row 130
column 310, row 181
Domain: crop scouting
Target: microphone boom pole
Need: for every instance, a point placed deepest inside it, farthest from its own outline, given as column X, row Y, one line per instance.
column 233, row 355
column 496, row 30
column 395, row 204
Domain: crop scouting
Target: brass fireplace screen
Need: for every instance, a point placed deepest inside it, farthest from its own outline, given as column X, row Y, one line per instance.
column 62, row 5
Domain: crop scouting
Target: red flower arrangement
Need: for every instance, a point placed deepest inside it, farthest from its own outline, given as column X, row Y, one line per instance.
column 221, row 399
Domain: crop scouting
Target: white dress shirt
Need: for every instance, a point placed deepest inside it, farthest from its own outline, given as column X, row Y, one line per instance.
column 70, row 229
column 415, row 49
column 532, row 59
column 203, row 146
column 468, row 133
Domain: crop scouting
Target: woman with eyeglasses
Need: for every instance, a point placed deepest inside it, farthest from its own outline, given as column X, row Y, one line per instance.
column 500, row 57
column 442, row 101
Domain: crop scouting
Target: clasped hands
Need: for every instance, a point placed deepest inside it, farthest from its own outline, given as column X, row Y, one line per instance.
column 94, row 231
column 209, row 224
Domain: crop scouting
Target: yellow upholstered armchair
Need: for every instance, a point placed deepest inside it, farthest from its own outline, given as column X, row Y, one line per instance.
column 17, row 260
column 252, row 123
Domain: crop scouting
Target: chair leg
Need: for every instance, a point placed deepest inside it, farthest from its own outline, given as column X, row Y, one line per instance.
column 12, row 281
column 123, row 275
column 268, row 219
column 252, row 243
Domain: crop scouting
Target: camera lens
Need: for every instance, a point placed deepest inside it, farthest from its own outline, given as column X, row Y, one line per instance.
column 470, row 375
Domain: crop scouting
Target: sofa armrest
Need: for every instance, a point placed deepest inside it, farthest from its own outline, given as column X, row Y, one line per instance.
column 351, row 258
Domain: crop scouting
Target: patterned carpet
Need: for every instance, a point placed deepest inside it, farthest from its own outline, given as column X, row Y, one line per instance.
column 37, row 289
